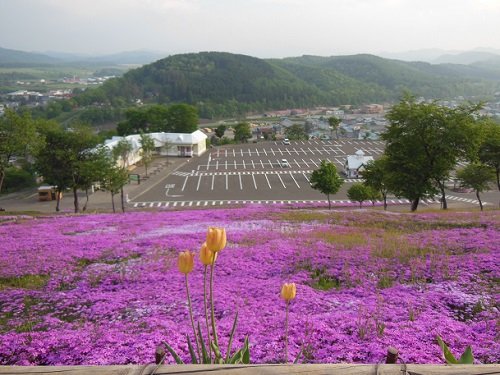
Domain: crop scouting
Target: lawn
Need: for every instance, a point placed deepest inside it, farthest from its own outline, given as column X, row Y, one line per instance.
column 105, row 289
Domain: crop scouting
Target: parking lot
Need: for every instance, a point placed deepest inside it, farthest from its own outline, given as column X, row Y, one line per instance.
column 241, row 174
column 257, row 173
column 266, row 171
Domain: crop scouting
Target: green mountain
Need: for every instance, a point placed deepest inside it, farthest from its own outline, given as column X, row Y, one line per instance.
column 219, row 84
column 10, row 57
column 394, row 77
column 224, row 84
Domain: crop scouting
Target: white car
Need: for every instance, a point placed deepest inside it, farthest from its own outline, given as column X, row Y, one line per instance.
column 284, row 163
column 286, row 141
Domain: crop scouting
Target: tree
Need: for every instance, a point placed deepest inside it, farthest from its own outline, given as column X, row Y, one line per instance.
column 296, row 132
column 489, row 149
column 136, row 119
column 157, row 118
column 376, row 174
column 147, row 149
column 166, row 146
column 93, row 170
column 18, row 137
column 182, row 118
column 66, row 160
column 242, row 132
column 114, row 180
column 373, row 195
column 334, row 122
column 121, row 153
column 477, row 177
column 359, row 193
column 424, row 143
column 326, row 180
column 220, row 130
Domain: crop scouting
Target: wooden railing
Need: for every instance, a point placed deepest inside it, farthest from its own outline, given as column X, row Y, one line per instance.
column 316, row 369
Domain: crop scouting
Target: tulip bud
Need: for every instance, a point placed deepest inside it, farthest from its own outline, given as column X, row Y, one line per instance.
column 288, row 291
column 186, row 261
column 216, row 239
column 207, row 256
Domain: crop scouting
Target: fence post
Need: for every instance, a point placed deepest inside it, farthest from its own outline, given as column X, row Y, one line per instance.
column 392, row 355
column 159, row 354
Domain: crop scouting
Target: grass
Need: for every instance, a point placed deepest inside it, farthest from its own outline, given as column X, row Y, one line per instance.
column 85, row 262
column 304, row 216
column 28, row 320
column 322, row 281
column 24, row 282
column 346, row 240
column 391, row 245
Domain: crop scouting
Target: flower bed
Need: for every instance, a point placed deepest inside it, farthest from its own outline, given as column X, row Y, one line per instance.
column 105, row 289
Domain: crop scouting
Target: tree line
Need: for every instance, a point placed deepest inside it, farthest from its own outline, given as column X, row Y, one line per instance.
column 176, row 118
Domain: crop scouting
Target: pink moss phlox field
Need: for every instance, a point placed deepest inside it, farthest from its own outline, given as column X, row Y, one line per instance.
column 105, row 289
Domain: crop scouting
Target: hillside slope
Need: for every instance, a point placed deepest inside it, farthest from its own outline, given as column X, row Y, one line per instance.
column 78, row 285
column 224, row 84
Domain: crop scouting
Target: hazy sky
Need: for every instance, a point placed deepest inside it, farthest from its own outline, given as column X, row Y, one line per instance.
column 261, row 28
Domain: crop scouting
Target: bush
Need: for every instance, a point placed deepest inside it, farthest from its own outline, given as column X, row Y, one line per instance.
column 17, row 179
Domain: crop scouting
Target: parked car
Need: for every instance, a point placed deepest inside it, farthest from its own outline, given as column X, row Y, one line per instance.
column 284, row 163
column 286, row 141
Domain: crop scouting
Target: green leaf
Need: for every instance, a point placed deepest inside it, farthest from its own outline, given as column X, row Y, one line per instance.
column 218, row 357
column 246, row 352
column 298, row 355
column 236, row 358
column 467, row 358
column 448, row 355
column 206, row 359
column 194, row 360
column 177, row 359
column 229, row 345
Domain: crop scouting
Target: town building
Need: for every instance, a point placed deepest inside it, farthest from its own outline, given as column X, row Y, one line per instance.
column 354, row 164
column 166, row 144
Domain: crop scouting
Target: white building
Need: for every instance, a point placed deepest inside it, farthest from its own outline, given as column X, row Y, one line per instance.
column 353, row 166
column 167, row 144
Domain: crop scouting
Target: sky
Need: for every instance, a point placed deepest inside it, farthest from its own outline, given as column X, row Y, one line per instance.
column 260, row 28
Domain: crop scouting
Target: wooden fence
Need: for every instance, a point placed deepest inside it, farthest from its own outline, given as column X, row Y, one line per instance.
column 333, row 369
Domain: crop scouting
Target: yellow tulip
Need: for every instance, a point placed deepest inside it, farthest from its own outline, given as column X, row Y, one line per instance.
column 207, row 256
column 216, row 239
column 186, row 261
column 288, row 291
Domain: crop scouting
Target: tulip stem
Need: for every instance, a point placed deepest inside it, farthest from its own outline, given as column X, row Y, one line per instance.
column 214, row 328
column 206, row 311
column 286, row 332
column 191, row 316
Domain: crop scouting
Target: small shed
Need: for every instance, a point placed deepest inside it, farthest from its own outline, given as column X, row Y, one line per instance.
column 353, row 166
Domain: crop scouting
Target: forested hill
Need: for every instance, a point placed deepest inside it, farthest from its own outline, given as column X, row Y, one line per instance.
column 224, row 84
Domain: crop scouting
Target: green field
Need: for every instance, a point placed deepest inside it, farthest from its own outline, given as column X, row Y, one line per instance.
column 10, row 75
